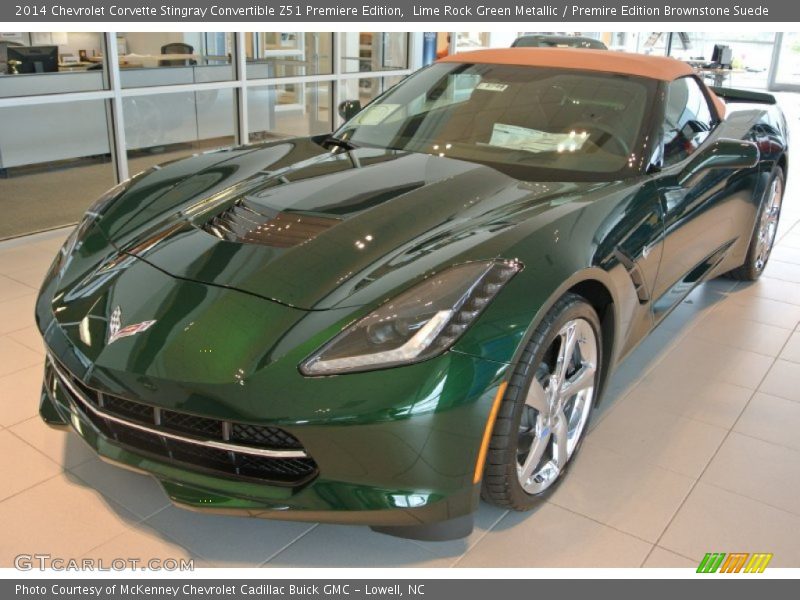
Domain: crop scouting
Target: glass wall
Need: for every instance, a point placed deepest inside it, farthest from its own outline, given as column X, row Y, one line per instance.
column 150, row 58
column 55, row 160
column 289, row 110
column 364, row 90
column 365, row 51
column 391, row 81
column 641, row 42
column 162, row 127
column 178, row 94
column 787, row 66
column 288, row 54
column 751, row 53
column 473, row 40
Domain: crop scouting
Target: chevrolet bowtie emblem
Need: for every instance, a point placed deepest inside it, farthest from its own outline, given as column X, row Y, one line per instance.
column 116, row 331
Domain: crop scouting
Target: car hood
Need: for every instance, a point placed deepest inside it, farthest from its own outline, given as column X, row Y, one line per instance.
column 310, row 229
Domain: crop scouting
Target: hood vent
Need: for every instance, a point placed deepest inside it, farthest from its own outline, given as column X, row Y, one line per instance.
column 249, row 223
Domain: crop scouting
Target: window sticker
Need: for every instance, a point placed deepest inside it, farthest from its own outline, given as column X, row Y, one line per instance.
column 375, row 115
column 491, row 87
column 533, row 140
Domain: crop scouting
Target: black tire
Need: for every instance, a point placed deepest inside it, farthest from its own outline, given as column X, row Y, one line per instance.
column 501, row 485
column 756, row 261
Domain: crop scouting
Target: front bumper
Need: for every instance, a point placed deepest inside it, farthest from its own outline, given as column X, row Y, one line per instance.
column 394, row 448
column 401, row 473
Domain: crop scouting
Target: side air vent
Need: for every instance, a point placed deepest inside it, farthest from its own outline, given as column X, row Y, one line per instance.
column 249, row 223
column 635, row 274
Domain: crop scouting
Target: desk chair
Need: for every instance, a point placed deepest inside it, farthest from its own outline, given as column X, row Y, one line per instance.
column 177, row 48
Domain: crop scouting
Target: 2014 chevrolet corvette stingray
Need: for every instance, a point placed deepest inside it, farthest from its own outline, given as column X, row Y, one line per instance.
column 381, row 325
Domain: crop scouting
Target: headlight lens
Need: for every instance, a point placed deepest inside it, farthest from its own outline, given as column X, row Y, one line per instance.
column 418, row 324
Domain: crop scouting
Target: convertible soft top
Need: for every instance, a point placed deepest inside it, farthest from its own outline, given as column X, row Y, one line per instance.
column 662, row 68
column 654, row 67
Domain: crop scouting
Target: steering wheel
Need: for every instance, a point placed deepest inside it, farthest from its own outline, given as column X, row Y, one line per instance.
column 611, row 135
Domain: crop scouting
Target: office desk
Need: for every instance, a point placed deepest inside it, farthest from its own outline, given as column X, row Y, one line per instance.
column 74, row 66
column 717, row 75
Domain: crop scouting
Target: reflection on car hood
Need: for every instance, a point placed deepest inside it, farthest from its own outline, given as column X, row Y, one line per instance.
column 309, row 228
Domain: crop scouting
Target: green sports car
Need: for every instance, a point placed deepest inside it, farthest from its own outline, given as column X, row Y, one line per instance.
column 382, row 325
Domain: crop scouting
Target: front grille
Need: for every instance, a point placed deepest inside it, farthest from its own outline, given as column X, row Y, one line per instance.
column 242, row 450
column 191, row 424
column 250, row 223
column 263, row 436
column 141, row 413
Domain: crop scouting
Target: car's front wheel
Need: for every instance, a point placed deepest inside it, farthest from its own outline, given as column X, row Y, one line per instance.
column 547, row 405
column 765, row 231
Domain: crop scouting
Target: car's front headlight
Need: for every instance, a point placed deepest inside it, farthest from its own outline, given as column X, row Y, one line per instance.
column 420, row 323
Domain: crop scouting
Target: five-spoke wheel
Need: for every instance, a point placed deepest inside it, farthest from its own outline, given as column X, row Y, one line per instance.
column 546, row 407
column 557, row 407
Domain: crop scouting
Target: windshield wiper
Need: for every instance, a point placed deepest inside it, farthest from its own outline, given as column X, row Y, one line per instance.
column 338, row 142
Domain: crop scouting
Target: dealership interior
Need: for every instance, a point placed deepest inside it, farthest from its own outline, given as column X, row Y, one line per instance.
column 694, row 448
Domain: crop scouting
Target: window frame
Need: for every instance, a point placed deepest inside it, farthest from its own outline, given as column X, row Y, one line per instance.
column 716, row 119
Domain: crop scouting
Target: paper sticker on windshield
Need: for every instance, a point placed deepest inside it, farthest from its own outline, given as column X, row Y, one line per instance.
column 533, row 140
column 375, row 115
column 491, row 87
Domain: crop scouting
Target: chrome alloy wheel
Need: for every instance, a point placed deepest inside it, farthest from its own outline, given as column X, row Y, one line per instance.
column 768, row 224
column 557, row 406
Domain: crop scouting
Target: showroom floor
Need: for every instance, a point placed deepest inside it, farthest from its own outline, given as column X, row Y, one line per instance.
column 695, row 449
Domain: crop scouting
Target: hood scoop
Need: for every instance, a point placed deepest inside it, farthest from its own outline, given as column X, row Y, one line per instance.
column 246, row 222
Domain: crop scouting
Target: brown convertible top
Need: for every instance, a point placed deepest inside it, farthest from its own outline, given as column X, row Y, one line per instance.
column 653, row 67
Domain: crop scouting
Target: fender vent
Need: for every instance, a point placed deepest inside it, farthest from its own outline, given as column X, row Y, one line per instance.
column 635, row 274
column 249, row 223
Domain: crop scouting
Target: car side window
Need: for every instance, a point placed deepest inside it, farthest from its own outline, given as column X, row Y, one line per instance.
column 688, row 120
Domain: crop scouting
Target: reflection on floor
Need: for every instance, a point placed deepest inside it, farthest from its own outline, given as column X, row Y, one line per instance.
column 695, row 450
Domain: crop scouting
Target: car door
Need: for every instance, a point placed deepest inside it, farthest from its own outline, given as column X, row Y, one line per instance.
column 702, row 217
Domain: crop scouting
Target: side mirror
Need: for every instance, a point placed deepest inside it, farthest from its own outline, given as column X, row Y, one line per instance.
column 723, row 154
column 349, row 109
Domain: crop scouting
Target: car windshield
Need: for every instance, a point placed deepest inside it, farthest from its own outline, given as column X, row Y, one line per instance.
column 530, row 122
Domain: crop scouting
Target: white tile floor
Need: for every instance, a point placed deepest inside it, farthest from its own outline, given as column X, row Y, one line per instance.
column 696, row 449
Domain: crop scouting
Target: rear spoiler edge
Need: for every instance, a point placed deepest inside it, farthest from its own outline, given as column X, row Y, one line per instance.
column 729, row 95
